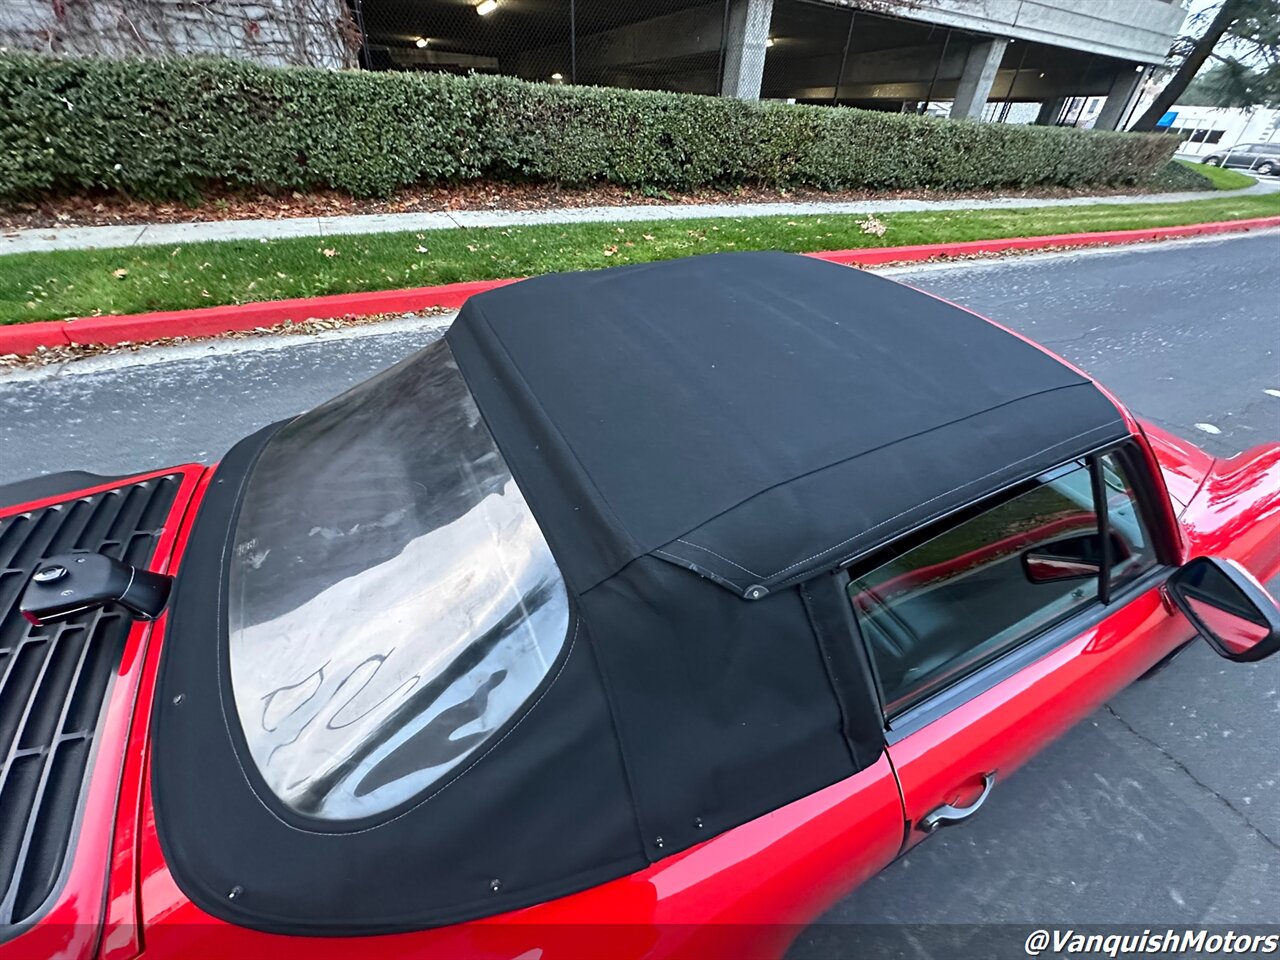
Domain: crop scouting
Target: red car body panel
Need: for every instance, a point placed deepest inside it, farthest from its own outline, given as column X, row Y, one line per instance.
column 102, row 852
column 1183, row 466
column 1237, row 512
column 744, row 893
column 999, row 730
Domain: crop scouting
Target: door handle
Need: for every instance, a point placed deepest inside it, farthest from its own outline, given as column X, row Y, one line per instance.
column 946, row 814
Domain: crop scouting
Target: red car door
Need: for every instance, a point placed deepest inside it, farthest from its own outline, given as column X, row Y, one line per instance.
column 995, row 632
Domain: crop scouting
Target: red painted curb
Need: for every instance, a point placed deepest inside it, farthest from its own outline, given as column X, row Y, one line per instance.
column 22, row 338
column 213, row 320
column 927, row 251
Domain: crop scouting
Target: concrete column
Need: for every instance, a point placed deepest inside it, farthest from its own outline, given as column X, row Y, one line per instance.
column 1123, row 90
column 1050, row 110
column 744, row 48
column 979, row 73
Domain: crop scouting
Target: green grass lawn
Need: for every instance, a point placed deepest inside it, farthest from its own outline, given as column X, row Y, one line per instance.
column 1221, row 178
column 71, row 283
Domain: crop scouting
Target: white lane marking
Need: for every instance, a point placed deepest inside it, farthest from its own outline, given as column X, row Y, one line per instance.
column 1207, row 428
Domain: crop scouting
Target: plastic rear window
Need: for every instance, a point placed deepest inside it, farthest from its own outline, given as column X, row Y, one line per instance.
column 392, row 602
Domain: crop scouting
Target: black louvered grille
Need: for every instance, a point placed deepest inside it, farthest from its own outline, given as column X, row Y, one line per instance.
column 53, row 680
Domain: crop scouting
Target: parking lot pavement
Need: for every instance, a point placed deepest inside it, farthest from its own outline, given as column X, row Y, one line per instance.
column 1162, row 808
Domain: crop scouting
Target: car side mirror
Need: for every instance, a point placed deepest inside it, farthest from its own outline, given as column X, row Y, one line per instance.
column 1071, row 558
column 1228, row 607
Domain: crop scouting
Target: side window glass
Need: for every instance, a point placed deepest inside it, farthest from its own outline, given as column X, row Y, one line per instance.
column 947, row 606
column 1132, row 551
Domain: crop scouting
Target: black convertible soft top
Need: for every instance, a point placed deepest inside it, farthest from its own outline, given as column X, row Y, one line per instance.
column 703, row 443
column 756, row 417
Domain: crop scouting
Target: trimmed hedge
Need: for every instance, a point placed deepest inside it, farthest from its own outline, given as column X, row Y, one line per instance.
column 167, row 128
column 1178, row 175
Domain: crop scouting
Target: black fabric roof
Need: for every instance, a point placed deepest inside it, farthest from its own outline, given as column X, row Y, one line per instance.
column 757, row 417
column 753, row 418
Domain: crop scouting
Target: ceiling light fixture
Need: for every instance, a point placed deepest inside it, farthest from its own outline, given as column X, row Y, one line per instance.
column 420, row 42
column 768, row 42
column 486, row 7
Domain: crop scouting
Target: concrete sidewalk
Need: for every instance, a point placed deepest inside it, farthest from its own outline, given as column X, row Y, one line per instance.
column 80, row 238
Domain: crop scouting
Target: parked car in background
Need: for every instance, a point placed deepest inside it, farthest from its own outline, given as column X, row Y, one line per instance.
column 643, row 615
column 1260, row 158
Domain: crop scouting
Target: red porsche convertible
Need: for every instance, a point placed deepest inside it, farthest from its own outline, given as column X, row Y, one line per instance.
column 645, row 614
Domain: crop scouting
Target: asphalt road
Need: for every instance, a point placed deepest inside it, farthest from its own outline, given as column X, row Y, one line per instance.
column 1162, row 809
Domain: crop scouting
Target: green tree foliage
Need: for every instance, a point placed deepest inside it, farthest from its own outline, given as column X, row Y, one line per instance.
column 1242, row 40
column 1233, row 84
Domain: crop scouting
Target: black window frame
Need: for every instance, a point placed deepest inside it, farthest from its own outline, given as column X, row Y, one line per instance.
column 1034, row 646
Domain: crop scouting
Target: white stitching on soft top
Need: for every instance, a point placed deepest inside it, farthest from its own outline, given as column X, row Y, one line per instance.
column 863, row 533
column 714, row 554
column 932, row 499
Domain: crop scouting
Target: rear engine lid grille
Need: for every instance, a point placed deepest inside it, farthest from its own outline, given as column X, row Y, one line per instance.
column 54, row 680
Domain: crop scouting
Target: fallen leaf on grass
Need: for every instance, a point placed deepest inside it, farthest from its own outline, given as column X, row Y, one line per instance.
column 872, row 225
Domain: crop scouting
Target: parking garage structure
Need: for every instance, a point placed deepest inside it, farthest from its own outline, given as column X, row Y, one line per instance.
column 966, row 59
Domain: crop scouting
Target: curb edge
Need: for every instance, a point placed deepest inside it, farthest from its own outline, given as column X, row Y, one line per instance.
column 25, row 338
